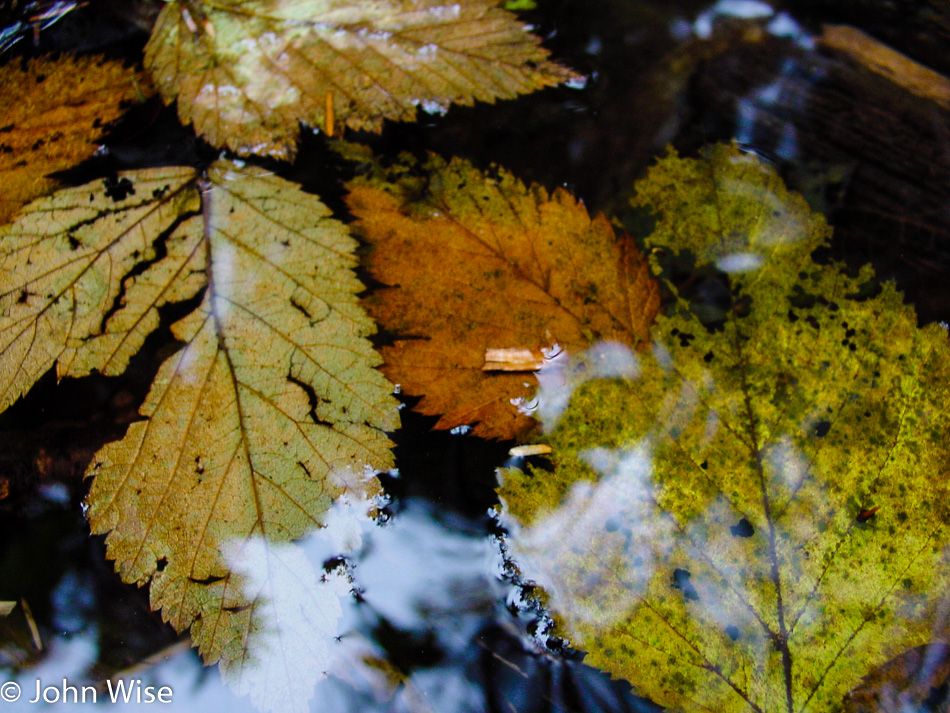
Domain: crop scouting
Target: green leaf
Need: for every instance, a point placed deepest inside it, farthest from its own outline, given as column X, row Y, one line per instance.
column 758, row 515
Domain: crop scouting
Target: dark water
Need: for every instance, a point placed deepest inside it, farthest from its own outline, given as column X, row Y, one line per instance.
column 439, row 624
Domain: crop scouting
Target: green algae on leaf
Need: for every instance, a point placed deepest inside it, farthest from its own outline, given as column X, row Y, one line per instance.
column 767, row 502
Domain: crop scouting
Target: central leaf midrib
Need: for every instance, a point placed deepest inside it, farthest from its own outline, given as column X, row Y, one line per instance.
column 780, row 639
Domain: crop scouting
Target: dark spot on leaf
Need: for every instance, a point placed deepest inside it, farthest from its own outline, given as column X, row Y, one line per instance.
column 159, row 193
column 161, row 564
column 681, row 582
column 742, row 307
column 73, row 242
column 118, row 189
column 732, row 632
column 612, row 524
column 6, row 129
column 743, row 528
column 792, row 317
column 708, row 357
column 822, row 428
column 704, row 465
column 801, row 299
column 867, row 513
column 812, row 321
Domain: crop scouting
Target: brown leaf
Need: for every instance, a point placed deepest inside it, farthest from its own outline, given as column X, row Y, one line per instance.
column 52, row 111
column 246, row 73
column 479, row 262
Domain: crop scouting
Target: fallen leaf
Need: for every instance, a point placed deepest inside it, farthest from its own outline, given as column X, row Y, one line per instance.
column 246, row 73
column 270, row 410
column 759, row 516
column 6, row 608
column 480, row 262
column 52, row 111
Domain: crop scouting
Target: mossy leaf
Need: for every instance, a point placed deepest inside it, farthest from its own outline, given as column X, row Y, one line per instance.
column 271, row 409
column 480, row 261
column 760, row 516
column 246, row 73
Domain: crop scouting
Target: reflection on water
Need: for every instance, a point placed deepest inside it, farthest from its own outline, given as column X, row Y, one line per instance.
column 431, row 628
column 595, row 554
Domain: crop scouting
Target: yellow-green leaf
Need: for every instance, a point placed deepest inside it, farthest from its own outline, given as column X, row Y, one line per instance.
column 67, row 296
column 245, row 73
column 759, row 515
column 270, row 410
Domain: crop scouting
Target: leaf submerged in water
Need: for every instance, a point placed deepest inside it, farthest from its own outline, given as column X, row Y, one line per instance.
column 484, row 273
column 269, row 412
column 767, row 502
column 245, row 73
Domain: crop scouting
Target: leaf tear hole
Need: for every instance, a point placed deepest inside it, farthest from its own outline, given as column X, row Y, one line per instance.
column 213, row 579
column 743, row 528
column 236, row 609
column 161, row 564
column 118, row 189
column 681, row 582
